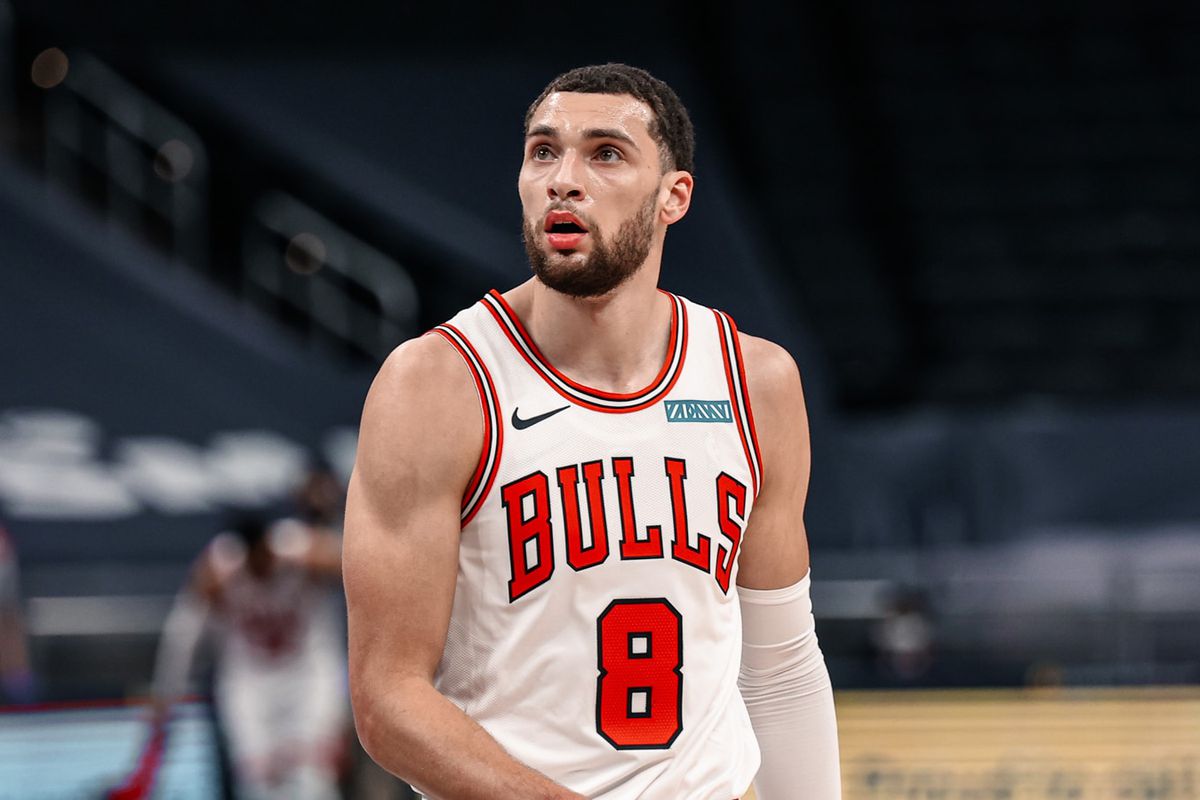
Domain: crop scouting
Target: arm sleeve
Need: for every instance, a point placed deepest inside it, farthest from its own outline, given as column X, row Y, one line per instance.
column 181, row 636
column 787, row 692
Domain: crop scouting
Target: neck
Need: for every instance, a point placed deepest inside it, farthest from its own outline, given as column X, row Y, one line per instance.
column 615, row 343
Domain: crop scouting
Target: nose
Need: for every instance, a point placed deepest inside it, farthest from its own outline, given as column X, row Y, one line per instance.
column 565, row 183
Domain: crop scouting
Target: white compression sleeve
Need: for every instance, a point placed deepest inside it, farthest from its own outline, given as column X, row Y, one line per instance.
column 177, row 645
column 787, row 691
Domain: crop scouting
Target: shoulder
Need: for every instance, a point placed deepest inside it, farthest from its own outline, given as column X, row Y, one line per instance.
column 777, row 405
column 423, row 377
column 290, row 539
column 422, row 414
column 304, row 548
column 423, row 365
column 772, row 377
column 221, row 558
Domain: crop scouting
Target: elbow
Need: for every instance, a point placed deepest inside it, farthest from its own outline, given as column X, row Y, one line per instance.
column 379, row 721
column 793, row 669
column 364, row 729
column 369, row 722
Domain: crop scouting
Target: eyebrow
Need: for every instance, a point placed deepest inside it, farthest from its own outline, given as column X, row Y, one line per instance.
column 590, row 133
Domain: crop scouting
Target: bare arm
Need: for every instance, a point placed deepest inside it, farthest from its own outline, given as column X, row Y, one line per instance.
column 783, row 678
column 16, row 678
column 324, row 556
column 419, row 443
column 314, row 548
column 182, row 633
column 775, row 547
column 14, row 658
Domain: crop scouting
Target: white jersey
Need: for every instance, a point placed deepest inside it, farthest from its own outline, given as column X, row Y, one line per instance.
column 270, row 622
column 280, row 681
column 596, row 631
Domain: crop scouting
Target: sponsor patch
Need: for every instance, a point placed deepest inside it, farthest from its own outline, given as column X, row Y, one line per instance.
column 698, row 411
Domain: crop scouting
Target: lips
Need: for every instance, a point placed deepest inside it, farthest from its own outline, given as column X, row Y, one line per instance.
column 564, row 230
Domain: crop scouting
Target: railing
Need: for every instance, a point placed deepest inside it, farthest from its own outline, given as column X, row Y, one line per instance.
column 143, row 166
column 149, row 172
column 298, row 261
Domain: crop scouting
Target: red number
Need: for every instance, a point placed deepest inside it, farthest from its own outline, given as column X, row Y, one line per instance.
column 639, row 694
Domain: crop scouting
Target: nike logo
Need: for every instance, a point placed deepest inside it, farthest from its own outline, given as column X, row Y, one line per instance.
column 522, row 424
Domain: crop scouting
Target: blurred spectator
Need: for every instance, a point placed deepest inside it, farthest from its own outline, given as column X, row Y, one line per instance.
column 16, row 677
column 903, row 639
column 264, row 592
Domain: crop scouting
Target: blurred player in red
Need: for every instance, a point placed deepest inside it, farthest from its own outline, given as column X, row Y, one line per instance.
column 279, row 685
column 16, row 677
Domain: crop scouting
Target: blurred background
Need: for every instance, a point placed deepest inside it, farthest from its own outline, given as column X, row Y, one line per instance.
column 975, row 224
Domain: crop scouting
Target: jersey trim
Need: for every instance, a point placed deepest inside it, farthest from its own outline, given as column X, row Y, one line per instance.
column 493, row 427
column 735, row 376
column 577, row 393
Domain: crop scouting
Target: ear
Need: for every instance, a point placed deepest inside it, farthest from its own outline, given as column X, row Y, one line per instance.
column 677, row 187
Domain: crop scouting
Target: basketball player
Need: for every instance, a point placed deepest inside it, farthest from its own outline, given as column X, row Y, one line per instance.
column 577, row 508
column 16, row 677
column 280, row 675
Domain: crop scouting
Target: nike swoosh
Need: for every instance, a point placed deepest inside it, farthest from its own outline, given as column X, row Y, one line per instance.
column 522, row 424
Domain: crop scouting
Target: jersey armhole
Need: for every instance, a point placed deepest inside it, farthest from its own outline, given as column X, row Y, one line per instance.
column 493, row 428
column 739, row 395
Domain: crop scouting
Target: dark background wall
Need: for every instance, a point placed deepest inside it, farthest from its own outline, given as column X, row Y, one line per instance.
column 974, row 224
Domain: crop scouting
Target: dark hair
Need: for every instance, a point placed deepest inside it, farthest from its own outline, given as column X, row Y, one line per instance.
column 249, row 526
column 671, row 126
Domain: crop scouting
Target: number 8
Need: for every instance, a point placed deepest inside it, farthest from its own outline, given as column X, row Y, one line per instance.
column 639, row 693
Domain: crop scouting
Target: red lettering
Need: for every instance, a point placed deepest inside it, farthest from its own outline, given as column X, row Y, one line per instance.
column 729, row 488
column 631, row 547
column 578, row 556
column 527, row 506
column 522, row 529
column 681, row 549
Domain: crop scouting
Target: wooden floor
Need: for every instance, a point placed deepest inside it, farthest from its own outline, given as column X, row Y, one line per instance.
column 1131, row 744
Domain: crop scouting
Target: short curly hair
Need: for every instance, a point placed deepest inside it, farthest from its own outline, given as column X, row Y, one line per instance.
column 671, row 127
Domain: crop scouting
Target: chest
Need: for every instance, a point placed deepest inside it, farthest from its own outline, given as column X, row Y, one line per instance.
column 268, row 613
column 585, row 491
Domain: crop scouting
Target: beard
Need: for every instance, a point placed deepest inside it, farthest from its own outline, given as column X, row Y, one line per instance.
column 610, row 263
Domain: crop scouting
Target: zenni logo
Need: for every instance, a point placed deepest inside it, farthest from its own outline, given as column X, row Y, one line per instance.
column 698, row 411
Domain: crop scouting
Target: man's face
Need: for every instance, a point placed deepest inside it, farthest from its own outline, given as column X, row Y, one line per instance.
column 590, row 185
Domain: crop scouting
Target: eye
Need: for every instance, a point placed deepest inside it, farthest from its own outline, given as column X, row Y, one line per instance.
column 542, row 153
column 608, row 153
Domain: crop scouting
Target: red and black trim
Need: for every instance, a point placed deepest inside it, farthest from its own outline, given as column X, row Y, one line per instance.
column 493, row 427
column 586, row 396
column 735, row 376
